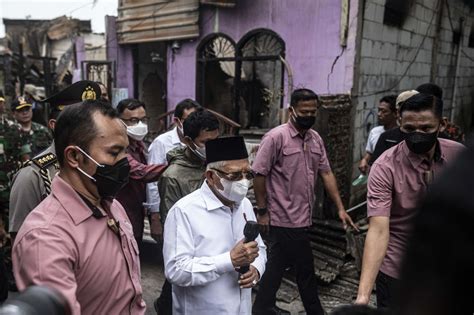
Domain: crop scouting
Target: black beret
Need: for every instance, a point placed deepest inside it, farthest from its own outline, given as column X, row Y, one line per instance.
column 226, row 149
column 75, row 93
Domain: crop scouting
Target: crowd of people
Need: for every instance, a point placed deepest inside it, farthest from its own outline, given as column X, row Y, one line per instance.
column 75, row 195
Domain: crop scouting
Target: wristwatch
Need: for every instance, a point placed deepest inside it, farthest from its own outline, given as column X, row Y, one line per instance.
column 262, row 211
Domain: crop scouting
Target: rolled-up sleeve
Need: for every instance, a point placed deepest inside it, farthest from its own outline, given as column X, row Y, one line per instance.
column 266, row 156
column 42, row 257
column 181, row 267
column 379, row 191
column 156, row 155
column 143, row 172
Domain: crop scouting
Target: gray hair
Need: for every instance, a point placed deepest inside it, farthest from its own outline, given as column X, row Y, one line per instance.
column 218, row 165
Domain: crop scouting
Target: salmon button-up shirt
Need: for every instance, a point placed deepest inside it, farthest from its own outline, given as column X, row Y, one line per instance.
column 67, row 245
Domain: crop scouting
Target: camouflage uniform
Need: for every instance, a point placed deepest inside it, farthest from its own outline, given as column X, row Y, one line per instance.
column 13, row 147
column 39, row 138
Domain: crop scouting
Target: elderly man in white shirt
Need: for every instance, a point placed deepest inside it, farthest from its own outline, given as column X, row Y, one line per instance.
column 165, row 143
column 204, row 242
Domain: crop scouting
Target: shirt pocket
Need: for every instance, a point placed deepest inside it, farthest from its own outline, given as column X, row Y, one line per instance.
column 291, row 158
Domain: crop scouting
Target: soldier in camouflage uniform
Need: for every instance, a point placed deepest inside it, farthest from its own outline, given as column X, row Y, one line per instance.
column 33, row 182
column 13, row 151
column 38, row 136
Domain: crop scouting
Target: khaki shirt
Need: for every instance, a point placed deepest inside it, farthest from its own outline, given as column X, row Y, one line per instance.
column 31, row 185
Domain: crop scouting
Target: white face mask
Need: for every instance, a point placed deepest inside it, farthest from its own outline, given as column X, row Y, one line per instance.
column 234, row 191
column 137, row 132
column 200, row 152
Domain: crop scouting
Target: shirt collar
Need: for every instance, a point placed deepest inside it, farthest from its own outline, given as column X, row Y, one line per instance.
column 174, row 136
column 70, row 200
column 416, row 159
column 210, row 199
column 135, row 146
column 294, row 132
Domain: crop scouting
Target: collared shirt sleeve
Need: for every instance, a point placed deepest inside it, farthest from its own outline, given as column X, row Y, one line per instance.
column 324, row 165
column 182, row 268
column 45, row 257
column 266, row 156
column 144, row 173
column 156, row 155
column 379, row 191
column 26, row 194
column 370, row 142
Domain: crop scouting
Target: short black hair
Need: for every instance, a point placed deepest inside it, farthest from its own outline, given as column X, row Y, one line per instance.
column 420, row 102
column 184, row 105
column 130, row 104
column 200, row 120
column 390, row 100
column 431, row 89
column 300, row 95
column 75, row 125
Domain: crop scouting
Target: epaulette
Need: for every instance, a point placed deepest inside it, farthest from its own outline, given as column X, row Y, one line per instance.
column 45, row 160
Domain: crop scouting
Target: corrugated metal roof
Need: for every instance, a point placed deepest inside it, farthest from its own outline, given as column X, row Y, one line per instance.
column 220, row 3
column 143, row 21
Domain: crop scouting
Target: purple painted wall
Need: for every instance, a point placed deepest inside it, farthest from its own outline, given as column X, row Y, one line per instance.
column 122, row 55
column 310, row 30
column 80, row 57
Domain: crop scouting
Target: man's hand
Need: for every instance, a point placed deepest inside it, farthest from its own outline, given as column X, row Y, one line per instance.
column 250, row 278
column 243, row 254
column 363, row 166
column 156, row 228
column 264, row 222
column 346, row 219
column 363, row 300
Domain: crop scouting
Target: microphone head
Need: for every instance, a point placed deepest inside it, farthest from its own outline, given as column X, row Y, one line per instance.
column 251, row 230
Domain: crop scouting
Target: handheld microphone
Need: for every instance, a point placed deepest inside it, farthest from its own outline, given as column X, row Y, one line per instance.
column 251, row 231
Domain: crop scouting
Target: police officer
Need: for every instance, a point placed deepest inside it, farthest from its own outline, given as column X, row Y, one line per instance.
column 33, row 182
column 38, row 136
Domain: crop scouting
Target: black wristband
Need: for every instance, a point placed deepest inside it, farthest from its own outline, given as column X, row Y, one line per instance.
column 262, row 211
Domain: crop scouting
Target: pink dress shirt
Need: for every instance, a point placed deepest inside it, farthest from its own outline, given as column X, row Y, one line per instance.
column 397, row 182
column 291, row 165
column 63, row 245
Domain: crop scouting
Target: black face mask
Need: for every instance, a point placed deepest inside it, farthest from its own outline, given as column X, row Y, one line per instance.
column 305, row 122
column 109, row 179
column 419, row 142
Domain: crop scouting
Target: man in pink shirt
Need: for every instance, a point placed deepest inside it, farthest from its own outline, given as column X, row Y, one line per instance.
column 288, row 161
column 79, row 240
column 397, row 182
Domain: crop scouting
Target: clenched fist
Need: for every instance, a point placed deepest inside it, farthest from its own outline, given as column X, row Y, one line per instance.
column 243, row 254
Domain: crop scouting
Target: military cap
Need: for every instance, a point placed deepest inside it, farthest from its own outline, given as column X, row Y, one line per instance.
column 75, row 93
column 2, row 99
column 226, row 149
column 20, row 103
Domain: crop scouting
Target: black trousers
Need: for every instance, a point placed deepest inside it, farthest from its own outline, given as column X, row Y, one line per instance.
column 3, row 277
column 164, row 303
column 288, row 247
column 386, row 288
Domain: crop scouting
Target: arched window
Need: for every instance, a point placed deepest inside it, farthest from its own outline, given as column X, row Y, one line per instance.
column 215, row 73
column 245, row 81
column 260, row 79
